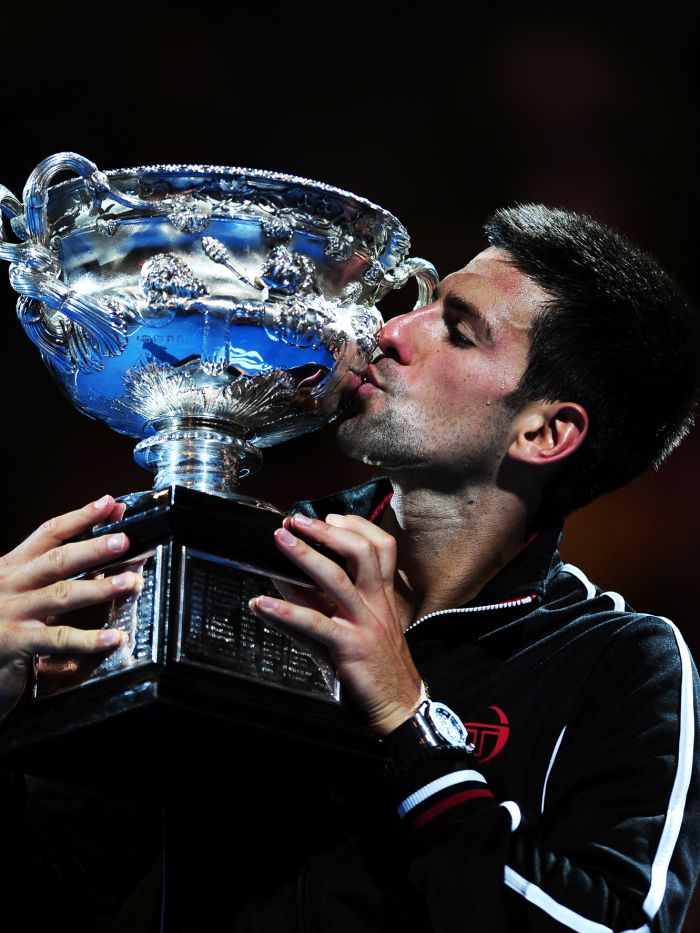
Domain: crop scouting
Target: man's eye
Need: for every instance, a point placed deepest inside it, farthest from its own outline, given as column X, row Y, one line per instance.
column 460, row 338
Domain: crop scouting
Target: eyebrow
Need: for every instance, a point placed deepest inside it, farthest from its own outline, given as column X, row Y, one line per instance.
column 458, row 303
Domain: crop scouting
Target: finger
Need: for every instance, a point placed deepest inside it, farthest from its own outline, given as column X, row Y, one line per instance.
column 329, row 577
column 301, row 619
column 306, row 596
column 67, row 595
column 68, row 560
column 36, row 638
column 116, row 515
column 56, row 531
column 360, row 553
column 53, row 664
column 382, row 541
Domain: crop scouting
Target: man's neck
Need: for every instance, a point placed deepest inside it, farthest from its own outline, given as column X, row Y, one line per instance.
column 450, row 544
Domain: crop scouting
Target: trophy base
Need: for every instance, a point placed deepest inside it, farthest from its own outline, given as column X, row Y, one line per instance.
column 200, row 673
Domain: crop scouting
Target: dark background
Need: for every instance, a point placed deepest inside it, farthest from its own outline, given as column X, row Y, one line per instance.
column 440, row 117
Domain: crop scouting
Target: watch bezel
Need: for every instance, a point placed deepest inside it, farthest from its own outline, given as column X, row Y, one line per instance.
column 430, row 712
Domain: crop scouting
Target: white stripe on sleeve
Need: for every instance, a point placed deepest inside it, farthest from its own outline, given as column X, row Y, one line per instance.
column 447, row 780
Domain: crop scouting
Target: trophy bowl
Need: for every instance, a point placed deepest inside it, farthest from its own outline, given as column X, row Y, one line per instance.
column 208, row 312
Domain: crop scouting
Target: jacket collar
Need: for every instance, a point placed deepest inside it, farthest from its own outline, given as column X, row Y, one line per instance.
column 528, row 574
column 359, row 500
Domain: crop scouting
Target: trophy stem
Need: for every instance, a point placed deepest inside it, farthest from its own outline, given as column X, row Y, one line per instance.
column 198, row 453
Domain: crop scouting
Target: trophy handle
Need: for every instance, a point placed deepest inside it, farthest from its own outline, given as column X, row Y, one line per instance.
column 86, row 329
column 11, row 207
column 96, row 184
column 424, row 273
column 36, row 191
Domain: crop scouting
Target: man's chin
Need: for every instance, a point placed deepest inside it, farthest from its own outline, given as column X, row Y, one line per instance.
column 358, row 439
column 350, row 435
column 345, row 423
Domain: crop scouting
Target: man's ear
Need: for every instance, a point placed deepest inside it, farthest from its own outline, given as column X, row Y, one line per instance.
column 547, row 432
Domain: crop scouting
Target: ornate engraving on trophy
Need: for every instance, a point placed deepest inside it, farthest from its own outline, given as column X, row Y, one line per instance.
column 286, row 273
column 190, row 215
column 169, row 285
column 216, row 251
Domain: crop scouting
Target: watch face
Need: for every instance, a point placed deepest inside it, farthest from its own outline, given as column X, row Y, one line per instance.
column 448, row 724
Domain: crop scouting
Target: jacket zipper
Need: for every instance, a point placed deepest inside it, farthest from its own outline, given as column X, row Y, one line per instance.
column 508, row 604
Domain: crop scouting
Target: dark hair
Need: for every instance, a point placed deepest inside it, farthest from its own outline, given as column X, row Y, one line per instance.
column 617, row 336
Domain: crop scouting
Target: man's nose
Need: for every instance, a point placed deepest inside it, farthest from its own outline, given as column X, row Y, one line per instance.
column 398, row 337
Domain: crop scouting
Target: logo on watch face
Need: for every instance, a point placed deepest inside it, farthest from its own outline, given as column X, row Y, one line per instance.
column 489, row 738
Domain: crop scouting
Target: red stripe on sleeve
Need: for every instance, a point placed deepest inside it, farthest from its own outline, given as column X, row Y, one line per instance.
column 447, row 804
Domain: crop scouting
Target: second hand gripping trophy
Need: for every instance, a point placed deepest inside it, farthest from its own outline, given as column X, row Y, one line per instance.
column 208, row 311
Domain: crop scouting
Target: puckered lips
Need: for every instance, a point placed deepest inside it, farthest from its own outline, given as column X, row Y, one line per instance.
column 371, row 383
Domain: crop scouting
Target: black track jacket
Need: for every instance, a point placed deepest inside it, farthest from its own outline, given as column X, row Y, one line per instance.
column 579, row 808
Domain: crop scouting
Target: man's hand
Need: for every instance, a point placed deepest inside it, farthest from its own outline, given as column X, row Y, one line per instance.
column 355, row 614
column 34, row 586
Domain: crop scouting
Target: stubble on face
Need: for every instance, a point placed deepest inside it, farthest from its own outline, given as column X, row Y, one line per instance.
column 384, row 439
column 399, row 438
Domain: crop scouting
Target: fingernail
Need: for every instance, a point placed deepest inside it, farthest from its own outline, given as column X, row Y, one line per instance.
column 258, row 603
column 264, row 602
column 300, row 519
column 116, row 542
column 111, row 636
column 101, row 503
column 122, row 581
column 285, row 537
column 332, row 518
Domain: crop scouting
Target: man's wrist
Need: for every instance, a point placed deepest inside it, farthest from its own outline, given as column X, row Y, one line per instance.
column 399, row 716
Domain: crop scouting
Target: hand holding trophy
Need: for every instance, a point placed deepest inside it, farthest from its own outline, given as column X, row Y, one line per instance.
column 208, row 312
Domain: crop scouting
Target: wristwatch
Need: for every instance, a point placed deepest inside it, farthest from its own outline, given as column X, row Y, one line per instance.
column 433, row 725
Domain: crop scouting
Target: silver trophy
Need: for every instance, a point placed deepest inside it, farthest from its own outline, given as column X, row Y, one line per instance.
column 209, row 312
